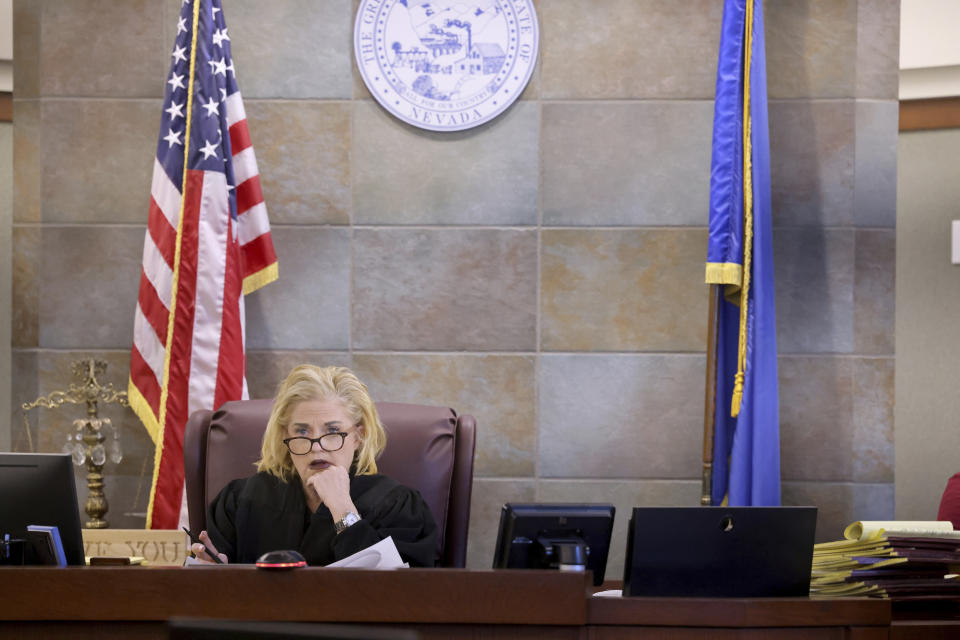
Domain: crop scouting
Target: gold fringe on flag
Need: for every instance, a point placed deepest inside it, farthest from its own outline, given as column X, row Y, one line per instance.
column 747, row 213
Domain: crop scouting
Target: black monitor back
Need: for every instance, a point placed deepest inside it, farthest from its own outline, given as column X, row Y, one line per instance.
column 719, row 551
column 39, row 489
column 521, row 524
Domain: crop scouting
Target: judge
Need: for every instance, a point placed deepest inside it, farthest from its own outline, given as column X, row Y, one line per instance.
column 317, row 489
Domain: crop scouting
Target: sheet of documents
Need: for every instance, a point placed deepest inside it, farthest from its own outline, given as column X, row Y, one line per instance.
column 870, row 529
column 383, row 555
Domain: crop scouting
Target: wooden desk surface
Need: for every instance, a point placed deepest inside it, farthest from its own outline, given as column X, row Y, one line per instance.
column 738, row 612
column 456, row 596
column 47, row 602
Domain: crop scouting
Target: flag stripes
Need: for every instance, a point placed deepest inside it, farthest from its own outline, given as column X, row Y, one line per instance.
column 207, row 244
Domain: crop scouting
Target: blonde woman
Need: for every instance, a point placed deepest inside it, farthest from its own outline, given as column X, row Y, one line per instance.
column 317, row 489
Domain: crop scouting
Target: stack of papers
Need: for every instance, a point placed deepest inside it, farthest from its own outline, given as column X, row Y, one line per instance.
column 899, row 560
column 383, row 555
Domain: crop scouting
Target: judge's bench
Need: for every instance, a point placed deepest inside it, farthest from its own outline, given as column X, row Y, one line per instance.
column 138, row 602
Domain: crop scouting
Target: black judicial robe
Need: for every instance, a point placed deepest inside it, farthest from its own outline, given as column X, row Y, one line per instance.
column 263, row 513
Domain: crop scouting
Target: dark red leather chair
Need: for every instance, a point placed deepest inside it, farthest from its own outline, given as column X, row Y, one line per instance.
column 950, row 502
column 429, row 449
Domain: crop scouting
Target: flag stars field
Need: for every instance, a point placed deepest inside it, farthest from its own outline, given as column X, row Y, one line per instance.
column 208, row 150
column 219, row 36
column 212, row 107
column 218, row 66
column 175, row 110
column 173, row 138
column 176, row 82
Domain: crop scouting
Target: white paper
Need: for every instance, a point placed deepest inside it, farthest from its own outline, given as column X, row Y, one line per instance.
column 609, row 593
column 383, row 555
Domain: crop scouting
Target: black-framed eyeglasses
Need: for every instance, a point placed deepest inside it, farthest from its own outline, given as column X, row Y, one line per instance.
column 302, row 445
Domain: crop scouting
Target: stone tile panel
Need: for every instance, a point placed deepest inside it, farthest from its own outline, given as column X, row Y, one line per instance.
column 487, row 175
column 88, row 285
column 103, row 48
column 628, row 49
column 23, row 388
column 875, row 192
column 294, row 49
column 471, row 290
column 25, row 311
column 814, row 275
column 873, row 292
column 811, row 48
column 621, row 416
column 497, row 390
column 98, row 158
column 878, row 49
column 642, row 156
column 836, row 420
column 873, row 436
column 812, row 162
column 27, row 160
column 628, row 290
column 303, row 152
column 26, row 48
column 816, row 418
column 308, row 307
column 267, row 369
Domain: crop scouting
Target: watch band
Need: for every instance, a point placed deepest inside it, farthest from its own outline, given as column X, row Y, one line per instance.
column 348, row 519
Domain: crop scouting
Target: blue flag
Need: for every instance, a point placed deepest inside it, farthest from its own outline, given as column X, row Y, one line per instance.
column 746, row 453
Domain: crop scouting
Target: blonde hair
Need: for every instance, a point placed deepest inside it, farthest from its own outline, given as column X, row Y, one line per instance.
column 308, row 382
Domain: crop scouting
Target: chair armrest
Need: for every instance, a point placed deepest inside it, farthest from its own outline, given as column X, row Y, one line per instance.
column 194, row 463
column 461, row 490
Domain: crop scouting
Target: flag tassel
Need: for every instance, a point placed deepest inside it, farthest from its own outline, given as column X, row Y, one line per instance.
column 737, row 395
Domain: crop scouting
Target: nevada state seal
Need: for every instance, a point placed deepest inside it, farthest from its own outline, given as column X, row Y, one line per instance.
column 446, row 65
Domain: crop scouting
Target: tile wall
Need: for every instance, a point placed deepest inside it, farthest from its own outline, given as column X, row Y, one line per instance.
column 542, row 272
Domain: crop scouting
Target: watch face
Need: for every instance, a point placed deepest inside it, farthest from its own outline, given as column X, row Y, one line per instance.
column 348, row 520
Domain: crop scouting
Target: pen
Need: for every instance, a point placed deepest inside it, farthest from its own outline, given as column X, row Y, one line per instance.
column 209, row 551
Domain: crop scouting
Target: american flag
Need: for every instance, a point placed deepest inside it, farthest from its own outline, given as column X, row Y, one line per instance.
column 207, row 244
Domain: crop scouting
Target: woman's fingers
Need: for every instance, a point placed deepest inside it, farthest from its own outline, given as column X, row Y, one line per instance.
column 200, row 550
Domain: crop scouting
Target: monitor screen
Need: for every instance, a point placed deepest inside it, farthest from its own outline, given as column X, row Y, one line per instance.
column 555, row 536
column 39, row 489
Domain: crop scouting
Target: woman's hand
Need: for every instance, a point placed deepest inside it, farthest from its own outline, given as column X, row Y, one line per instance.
column 202, row 554
column 333, row 488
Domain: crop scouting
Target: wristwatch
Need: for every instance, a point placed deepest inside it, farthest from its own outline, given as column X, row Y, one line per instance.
column 348, row 519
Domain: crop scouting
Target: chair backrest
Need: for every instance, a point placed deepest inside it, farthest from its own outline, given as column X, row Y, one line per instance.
column 950, row 502
column 223, row 445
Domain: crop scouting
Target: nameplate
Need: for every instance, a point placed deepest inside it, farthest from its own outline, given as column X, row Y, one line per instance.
column 159, row 547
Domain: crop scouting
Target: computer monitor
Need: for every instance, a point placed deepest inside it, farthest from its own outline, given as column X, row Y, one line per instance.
column 570, row 537
column 39, row 489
